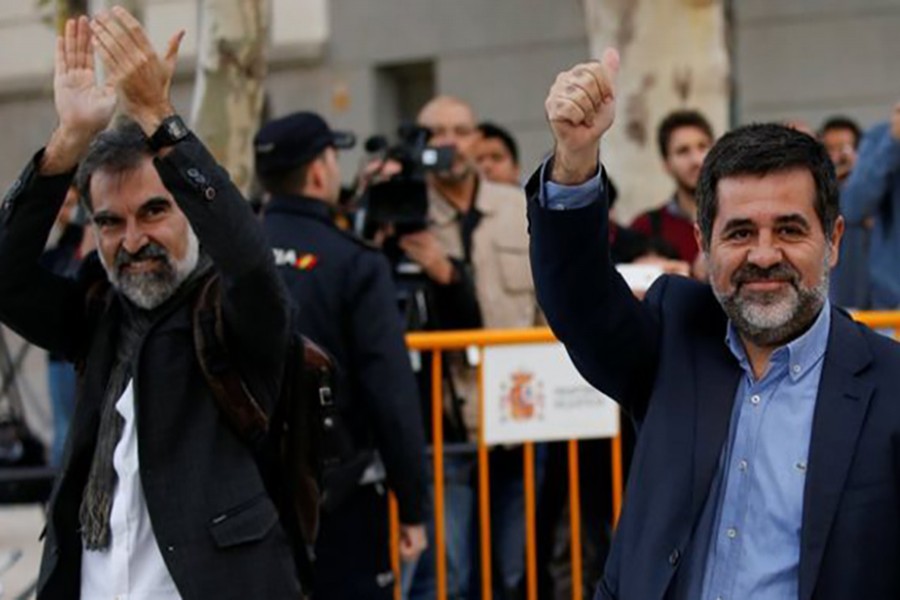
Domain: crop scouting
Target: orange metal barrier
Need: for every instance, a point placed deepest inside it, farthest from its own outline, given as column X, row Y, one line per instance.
column 437, row 342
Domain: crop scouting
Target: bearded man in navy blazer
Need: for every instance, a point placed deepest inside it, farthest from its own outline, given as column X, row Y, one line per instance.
column 768, row 458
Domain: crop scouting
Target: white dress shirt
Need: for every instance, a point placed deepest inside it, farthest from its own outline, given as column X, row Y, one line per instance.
column 132, row 568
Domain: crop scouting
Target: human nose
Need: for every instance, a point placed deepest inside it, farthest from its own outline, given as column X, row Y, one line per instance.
column 765, row 253
column 134, row 239
column 699, row 156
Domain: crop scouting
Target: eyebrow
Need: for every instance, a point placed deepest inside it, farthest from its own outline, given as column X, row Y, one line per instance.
column 154, row 202
column 737, row 224
column 791, row 219
column 103, row 214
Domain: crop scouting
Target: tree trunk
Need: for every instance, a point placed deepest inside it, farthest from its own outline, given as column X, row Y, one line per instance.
column 135, row 7
column 66, row 9
column 674, row 55
column 231, row 71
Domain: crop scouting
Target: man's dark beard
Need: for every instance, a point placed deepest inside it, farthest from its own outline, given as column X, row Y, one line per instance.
column 804, row 308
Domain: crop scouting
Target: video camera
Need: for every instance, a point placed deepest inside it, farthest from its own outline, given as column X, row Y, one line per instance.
column 401, row 200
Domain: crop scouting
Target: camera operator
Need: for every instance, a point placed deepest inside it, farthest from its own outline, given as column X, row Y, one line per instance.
column 345, row 298
column 474, row 251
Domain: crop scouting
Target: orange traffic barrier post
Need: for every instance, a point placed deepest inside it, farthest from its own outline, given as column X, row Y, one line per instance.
column 575, row 520
column 484, row 494
column 437, row 437
column 617, row 476
column 394, row 524
column 530, row 520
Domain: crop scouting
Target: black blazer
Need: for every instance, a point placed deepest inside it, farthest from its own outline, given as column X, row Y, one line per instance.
column 665, row 361
column 217, row 529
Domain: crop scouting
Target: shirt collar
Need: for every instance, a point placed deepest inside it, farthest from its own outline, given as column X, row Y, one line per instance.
column 801, row 354
column 441, row 212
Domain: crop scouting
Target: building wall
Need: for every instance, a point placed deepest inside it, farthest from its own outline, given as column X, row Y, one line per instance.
column 809, row 59
column 499, row 55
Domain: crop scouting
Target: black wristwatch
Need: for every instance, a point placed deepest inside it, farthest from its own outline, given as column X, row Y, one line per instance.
column 171, row 131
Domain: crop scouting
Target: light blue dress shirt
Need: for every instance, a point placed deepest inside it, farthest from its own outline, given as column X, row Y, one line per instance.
column 747, row 544
column 568, row 197
column 754, row 546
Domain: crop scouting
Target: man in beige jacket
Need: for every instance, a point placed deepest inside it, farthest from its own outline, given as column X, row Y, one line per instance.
column 476, row 242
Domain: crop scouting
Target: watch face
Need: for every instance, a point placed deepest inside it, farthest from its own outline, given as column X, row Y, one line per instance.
column 176, row 129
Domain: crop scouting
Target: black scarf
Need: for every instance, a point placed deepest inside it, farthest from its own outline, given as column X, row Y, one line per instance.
column 97, row 500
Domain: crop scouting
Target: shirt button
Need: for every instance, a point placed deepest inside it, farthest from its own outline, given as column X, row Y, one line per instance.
column 210, row 193
column 674, row 557
column 796, row 368
column 170, row 548
column 743, row 465
column 754, row 399
column 731, row 533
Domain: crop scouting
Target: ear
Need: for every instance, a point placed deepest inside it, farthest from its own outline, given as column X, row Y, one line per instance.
column 835, row 241
column 698, row 237
column 315, row 177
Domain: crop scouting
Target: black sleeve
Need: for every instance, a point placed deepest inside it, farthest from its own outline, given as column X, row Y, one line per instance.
column 387, row 386
column 254, row 302
column 612, row 337
column 45, row 309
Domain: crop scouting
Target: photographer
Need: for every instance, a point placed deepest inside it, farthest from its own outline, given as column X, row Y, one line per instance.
column 475, row 244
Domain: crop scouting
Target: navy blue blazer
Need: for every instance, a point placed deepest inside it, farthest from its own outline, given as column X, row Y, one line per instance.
column 665, row 361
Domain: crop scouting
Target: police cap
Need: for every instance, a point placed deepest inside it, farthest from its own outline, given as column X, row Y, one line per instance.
column 295, row 140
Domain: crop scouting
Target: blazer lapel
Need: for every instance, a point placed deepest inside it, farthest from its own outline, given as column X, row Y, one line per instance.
column 841, row 406
column 718, row 375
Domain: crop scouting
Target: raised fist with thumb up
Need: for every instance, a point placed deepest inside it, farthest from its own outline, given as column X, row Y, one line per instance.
column 581, row 108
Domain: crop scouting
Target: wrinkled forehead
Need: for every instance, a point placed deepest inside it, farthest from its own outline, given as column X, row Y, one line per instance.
column 127, row 190
column 765, row 198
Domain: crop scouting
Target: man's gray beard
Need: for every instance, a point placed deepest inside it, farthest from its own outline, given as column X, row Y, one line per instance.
column 772, row 319
column 150, row 289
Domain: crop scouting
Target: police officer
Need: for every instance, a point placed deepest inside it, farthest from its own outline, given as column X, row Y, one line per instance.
column 347, row 303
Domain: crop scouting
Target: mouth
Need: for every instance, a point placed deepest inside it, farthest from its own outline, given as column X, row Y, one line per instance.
column 141, row 266
column 765, row 285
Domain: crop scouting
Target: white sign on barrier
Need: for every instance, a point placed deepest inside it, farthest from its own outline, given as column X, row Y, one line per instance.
column 532, row 392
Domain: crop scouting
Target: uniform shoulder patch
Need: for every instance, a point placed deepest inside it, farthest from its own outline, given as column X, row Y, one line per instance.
column 289, row 257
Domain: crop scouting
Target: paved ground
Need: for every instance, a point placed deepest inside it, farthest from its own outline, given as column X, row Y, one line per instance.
column 19, row 530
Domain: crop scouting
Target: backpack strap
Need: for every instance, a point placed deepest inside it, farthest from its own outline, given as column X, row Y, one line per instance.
column 233, row 397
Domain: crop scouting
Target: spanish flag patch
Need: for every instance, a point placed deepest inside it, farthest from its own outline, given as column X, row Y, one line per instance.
column 306, row 262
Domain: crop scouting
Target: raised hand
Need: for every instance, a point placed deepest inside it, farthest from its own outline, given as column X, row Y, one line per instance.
column 83, row 107
column 141, row 78
column 581, row 107
column 81, row 104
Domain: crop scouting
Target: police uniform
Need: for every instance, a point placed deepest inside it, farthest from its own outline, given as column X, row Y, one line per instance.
column 346, row 302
